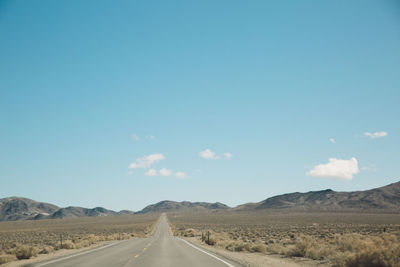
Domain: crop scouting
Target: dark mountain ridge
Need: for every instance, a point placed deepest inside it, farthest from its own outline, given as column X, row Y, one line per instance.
column 72, row 212
column 167, row 205
column 18, row 208
column 382, row 199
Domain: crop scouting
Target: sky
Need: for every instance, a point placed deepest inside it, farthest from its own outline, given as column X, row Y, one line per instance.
column 122, row 104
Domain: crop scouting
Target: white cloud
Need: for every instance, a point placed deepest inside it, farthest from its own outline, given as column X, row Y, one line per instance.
column 180, row 175
column 135, row 137
column 146, row 161
column 151, row 137
column 165, row 172
column 375, row 135
column 228, row 155
column 151, row 172
column 336, row 168
column 332, row 140
column 207, row 154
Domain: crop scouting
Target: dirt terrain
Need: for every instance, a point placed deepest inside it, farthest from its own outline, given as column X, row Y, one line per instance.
column 336, row 239
column 26, row 239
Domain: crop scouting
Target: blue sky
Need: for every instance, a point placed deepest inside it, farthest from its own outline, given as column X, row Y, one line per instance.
column 94, row 95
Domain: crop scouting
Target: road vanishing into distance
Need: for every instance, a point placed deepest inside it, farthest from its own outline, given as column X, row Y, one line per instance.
column 160, row 249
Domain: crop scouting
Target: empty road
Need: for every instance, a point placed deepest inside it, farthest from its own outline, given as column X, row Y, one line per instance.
column 159, row 249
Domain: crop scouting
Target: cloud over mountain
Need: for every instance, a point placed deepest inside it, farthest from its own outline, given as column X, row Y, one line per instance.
column 336, row 169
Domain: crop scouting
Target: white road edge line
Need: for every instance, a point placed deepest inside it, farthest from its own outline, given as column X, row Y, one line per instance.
column 76, row 255
column 209, row 254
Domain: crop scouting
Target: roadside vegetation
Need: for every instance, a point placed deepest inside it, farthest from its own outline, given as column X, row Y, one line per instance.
column 26, row 239
column 337, row 239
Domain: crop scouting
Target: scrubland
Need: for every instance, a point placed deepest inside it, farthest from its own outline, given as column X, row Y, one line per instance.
column 26, row 239
column 336, row 239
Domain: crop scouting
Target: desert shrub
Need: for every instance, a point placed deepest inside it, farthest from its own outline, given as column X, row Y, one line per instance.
column 339, row 259
column 230, row 246
column 309, row 247
column 25, row 252
column 258, row 248
column 367, row 259
column 82, row 244
column 319, row 253
column 68, row 244
column 4, row 258
column 190, row 232
column 238, row 246
column 46, row 250
column 243, row 247
column 277, row 249
column 302, row 244
column 382, row 251
column 210, row 241
column 125, row 236
column 92, row 239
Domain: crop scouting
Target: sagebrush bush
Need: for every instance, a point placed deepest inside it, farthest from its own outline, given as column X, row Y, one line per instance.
column 68, row 244
column 238, row 246
column 190, row 233
column 25, row 252
column 46, row 250
column 378, row 251
column 258, row 248
column 303, row 243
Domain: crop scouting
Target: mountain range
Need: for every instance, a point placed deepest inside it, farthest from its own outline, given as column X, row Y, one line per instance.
column 18, row 208
column 384, row 199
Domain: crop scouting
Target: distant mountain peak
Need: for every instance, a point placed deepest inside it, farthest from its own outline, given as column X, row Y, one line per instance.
column 168, row 205
column 18, row 208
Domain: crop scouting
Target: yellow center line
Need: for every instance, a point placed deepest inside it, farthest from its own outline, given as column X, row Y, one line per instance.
column 137, row 255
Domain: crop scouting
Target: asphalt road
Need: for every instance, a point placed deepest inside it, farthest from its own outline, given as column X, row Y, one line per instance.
column 160, row 249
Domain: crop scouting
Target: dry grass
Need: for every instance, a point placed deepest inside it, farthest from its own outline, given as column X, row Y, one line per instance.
column 4, row 258
column 26, row 239
column 340, row 239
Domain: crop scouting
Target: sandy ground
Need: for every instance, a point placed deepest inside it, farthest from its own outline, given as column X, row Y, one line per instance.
column 258, row 259
column 56, row 254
